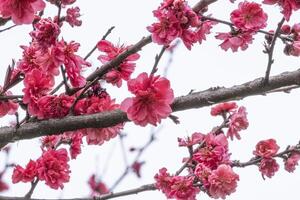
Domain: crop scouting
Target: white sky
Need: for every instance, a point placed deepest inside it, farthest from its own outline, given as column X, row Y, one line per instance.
column 272, row 116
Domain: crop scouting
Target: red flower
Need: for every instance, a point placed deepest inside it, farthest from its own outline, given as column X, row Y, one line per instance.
column 292, row 161
column 249, row 16
column 268, row 167
column 45, row 32
column 214, row 152
column 54, row 106
column 24, row 175
column 72, row 16
column 21, row 11
column 223, row 181
column 98, row 187
column 136, row 168
column 93, row 105
column 163, row 181
column 238, row 121
column 50, row 141
column 182, row 188
column 235, row 40
column 53, row 168
column 266, row 148
column 124, row 70
column 37, row 84
column 202, row 172
column 223, row 108
column 74, row 139
column 152, row 100
column 73, row 63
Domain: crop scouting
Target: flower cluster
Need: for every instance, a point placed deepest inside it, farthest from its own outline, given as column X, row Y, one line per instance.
column 152, row 100
column 292, row 47
column 124, row 70
column 235, row 118
column 248, row 19
column 52, row 167
column 178, row 20
column 209, row 170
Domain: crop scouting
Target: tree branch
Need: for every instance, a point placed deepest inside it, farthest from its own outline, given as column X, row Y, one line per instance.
column 107, row 119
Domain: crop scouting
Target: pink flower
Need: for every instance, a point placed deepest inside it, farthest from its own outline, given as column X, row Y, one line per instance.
column 37, row 84
column 53, row 168
column 238, row 121
column 196, row 138
column 7, row 106
column 54, row 106
column 28, row 61
column 202, row 172
column 176, row 19
column 249, row 16
column 182, row 188
column 214, row 152
column 24, row 175
column 124, row 70
column 223, row 108
column 72, row 16
column 235, row 40
column 93, row 105
column 163, row 181
column 266, row 148
column 45, row 32
column 73, row 63
column 292, row 161
column 223, row 182
column 204, row 29
column 152, row 100
column 98, row 187
column 74, row 139
column 50, row 141
column 21, row 11
column 287, row 6
column 268, row 167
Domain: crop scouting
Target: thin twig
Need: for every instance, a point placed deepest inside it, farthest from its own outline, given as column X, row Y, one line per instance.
column 270, row 50
column 8, row 28
column 157, row 59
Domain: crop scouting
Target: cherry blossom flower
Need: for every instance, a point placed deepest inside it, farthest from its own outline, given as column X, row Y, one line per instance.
column 125, row 68
column 53, row 168
column 234, row 41
column 182, row 188
column 163, row 181
column 292, row 161
column 50, row 141
column 54, row 106
column 24, row 175
column 152, row 100
column 202, row 172
column 268, row 167
column 287, row 6
column 37, row 84
column 98, row 187
column 74, row 139
column 28, row 61
column 214, row 152
column 223, row 181
column 223, row 108
column 249, row 16
column 136, row 168
column 237, row 121
column 176, row 19
column 21, row 12
column 204, row 29
column 96, row 104
column 45, row 33
column 266, row 148
column 73, row 63
column 72, row 16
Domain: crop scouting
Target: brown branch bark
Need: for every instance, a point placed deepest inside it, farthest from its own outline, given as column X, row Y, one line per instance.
column 190, row 101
